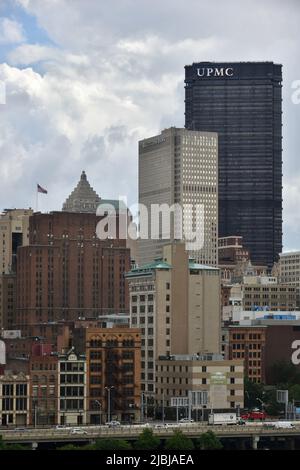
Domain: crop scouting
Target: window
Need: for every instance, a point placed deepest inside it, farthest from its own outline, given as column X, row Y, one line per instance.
column 7, row 390
column 21, row 404
column 21, row 389
column 96, row 343
column 95, row 355
column 7, row 404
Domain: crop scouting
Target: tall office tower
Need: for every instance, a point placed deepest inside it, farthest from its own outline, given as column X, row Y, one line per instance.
column 180, row 167
column 66, row 273
column 14, row 226
column 176, row 303
column 241, row 101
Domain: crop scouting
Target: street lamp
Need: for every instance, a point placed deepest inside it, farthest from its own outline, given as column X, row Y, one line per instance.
column 108, row 404
column 99, row 404
column 262, row 403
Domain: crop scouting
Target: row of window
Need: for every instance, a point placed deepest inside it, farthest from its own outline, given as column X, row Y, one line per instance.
column 8, row 390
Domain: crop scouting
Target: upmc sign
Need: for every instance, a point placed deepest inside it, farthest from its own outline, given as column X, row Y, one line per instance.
column 215, row 72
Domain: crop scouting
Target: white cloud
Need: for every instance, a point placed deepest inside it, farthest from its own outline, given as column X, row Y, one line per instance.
column 115, row 75
column 11, row 32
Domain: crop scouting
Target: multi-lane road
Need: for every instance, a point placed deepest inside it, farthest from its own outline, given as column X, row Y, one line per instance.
column 90, row 433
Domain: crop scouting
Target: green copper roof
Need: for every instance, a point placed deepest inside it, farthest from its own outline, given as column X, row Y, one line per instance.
column 147, row 269
column 193, row 265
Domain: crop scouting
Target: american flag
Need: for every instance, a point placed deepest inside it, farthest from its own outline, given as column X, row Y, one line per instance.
column 41, row 190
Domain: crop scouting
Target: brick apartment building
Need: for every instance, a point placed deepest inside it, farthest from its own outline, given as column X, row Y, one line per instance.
column 43, row 392
column 262, row 344
column 66, row 273
column 113, row 362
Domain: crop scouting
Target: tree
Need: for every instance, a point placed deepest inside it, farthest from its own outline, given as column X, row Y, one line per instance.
column 294, row 392
column 112, row 444
column 284, row 373
column 69, row 447
column 179, row 442
column 147, row 441
column 4, row 446
column 209, row 441
column 253, row 393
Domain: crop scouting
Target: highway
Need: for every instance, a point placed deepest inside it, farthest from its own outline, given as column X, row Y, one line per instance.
column 90, row 433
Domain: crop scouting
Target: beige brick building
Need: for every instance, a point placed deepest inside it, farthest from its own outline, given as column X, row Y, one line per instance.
column 289, row 271
column 181, row 376
column 176, row 303
column 14, row 232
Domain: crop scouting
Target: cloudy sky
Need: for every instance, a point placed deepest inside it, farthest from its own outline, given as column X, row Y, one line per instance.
column 86, row 79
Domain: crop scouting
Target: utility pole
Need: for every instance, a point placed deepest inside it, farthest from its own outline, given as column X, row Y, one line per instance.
column 108, row 399
column 99, row 404
column 163, row 406
column 142, row 407
column 190, row 405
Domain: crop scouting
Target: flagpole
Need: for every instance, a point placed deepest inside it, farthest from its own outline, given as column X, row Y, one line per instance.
column 37, row 199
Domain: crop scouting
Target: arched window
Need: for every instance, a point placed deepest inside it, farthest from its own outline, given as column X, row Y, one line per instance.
column 95, row 342
column 128, row 342
column 112, row 342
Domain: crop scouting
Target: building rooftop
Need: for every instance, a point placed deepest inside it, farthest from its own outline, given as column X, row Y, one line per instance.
column 148, row 268
column 192, row 357
column 159, row 263
column 83, row 198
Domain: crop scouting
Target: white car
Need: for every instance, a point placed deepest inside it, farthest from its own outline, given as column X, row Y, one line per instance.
column 186, row 420
column 284, row 424
column 78, row 431
column 113, row 424
column 161, row 425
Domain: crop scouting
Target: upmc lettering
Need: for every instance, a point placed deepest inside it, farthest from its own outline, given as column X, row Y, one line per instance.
column 215, row 72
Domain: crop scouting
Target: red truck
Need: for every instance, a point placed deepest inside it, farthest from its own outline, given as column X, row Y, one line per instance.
column 254, row 415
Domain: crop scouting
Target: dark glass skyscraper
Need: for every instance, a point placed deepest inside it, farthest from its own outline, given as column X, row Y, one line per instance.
column 242, row 103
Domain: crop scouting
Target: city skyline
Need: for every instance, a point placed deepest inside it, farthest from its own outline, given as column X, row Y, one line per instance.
column 83, row 102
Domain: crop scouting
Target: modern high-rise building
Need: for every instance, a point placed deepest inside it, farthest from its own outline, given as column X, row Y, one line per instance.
column 180, row 167
column 242, row 102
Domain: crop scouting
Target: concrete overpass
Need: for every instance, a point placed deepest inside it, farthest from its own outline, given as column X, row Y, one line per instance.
column 253, row 433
